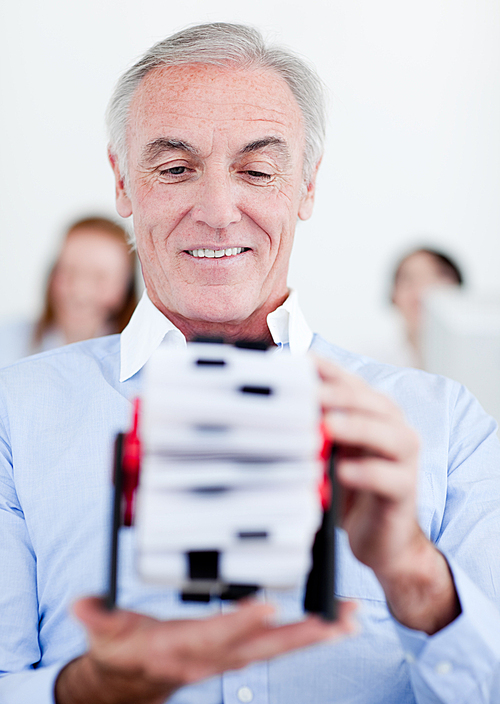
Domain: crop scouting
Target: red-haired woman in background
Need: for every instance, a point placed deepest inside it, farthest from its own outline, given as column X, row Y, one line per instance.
column 91, row 291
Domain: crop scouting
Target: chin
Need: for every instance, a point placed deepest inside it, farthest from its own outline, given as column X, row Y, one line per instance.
column 218, row 312
column 218, row 317
column 219, row 306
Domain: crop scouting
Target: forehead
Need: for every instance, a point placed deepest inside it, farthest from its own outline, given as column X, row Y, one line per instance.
column 206, row 99
column 420, row 260
column 90, row 245
column 419, row 266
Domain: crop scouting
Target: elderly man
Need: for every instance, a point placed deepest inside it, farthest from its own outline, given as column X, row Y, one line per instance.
column 215, row 144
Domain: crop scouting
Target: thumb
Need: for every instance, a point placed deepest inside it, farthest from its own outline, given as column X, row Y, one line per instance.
column 99, row 620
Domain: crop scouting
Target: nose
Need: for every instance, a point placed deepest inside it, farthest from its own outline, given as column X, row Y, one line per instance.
column 216, row 202
column 82, row 289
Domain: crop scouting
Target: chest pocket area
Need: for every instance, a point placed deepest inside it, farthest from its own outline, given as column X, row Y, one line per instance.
column 431, row 504
column 353, row 580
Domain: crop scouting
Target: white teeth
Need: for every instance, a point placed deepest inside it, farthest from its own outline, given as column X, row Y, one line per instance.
column 217, row 253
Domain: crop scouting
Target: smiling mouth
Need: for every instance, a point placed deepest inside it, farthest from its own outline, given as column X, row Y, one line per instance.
column 217, row 253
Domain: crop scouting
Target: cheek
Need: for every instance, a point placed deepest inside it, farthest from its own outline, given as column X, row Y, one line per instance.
column 113, row 296
column 151, row 252
column 272, row 214
column 156, row 240
column 402, row 299
column 111, row 290
column 59, row 290
column 159, row 206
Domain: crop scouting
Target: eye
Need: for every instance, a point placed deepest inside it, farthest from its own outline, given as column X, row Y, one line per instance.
column 259, row 175
column 174, row 171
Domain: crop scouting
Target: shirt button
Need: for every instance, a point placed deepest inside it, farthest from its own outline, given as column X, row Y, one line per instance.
column 443, row 668
column 244, row 694
column 410, row 658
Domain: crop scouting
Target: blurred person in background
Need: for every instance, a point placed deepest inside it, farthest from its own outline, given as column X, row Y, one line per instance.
column 416, row 273
column 90, row 292
column 399, row 339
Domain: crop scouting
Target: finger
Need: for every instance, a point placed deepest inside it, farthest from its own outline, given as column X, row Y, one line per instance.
column 282, row 639
column 330, row 372
column 231, row 641
column 212, row 640
column 394, row 440
column 346, row 391
column 249, row 619
column 328, row 369
column 100, row 621
column 386, row 480
column 341, row 395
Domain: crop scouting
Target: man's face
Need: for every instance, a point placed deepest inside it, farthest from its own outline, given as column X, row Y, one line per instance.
column 215, row 186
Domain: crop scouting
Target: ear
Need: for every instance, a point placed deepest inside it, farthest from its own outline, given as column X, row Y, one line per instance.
column 123, row 203
column 307, row 200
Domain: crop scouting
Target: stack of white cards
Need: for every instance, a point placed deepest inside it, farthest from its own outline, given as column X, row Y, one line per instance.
column 230, row 467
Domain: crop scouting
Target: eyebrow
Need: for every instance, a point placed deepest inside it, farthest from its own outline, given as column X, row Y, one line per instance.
column 280, row 145
column 154, row 149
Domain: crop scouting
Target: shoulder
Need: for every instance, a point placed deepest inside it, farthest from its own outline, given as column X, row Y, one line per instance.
column 15, row 340
column 76, row 365
column 448, row 418
column 383, row 375
column 97, row 348
column 432, row 403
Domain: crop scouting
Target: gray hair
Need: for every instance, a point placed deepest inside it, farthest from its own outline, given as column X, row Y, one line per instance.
column 222, row 44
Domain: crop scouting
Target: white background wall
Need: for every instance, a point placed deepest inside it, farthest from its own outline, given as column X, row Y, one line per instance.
column 413, row 150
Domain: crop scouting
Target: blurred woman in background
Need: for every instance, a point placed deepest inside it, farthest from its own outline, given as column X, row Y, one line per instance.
column 91, row 291
column 418, row 272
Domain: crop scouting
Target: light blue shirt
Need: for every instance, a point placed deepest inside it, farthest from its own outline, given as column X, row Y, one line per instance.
column 59, row 412
column 16, row 340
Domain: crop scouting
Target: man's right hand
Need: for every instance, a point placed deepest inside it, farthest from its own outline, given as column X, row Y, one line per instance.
column 136, row 659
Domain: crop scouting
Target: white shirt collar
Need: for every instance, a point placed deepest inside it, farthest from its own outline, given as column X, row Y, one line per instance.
column 287, row 325
column 148, row 328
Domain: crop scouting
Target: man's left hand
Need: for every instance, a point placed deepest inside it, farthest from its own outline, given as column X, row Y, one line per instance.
column 377, row 469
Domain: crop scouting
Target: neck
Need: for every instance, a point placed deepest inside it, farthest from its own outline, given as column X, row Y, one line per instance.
column 252, row 328
column 228, row 333
column 414, row 340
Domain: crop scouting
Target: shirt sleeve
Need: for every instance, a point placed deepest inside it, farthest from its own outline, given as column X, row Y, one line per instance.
column 20, row 681
column 461, row 663
column 34, row 686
